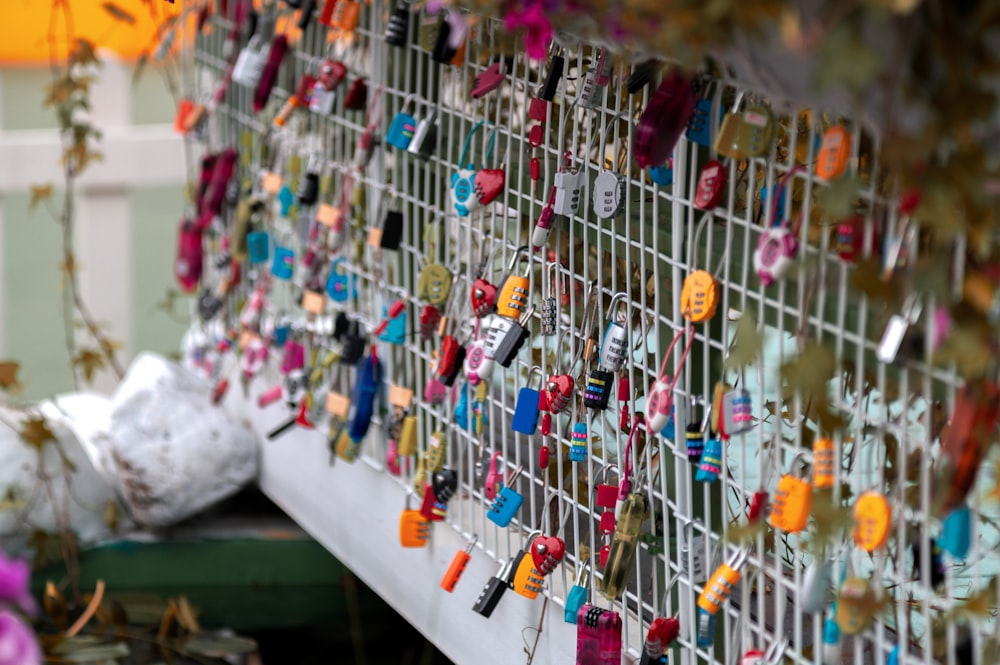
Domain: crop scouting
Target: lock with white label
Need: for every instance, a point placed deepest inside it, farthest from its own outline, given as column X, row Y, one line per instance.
column 896, row 329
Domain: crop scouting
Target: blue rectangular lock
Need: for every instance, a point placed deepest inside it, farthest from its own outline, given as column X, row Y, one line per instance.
column 700, row 125
column 525, row 418
column 575, row 599
column 395, row 332
column 259, row 246
column 284, row 263
column 578, row 449
column 505, row 505
column 401, row 131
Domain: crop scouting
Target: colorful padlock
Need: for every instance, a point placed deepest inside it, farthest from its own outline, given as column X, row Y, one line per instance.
column 792, row 503
column 514, row 293
column 506, row 504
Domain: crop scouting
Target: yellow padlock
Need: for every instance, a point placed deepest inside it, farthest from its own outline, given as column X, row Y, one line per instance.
column 347, row 449
column 514, row 294
column 527, row 580
column 436, row 452
column 699, row 296
column 872, row 521
column 857, row 601
column 407, row 443
column 792, row 503
column 824, row 469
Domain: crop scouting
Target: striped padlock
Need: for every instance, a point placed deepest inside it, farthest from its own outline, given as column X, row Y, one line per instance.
column 578, row 448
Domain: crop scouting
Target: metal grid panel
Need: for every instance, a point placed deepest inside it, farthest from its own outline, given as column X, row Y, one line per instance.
column 646, row 252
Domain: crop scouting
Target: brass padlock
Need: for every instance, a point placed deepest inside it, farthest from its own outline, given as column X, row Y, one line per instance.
column 407, row 443
column 434, row 284
column 792, row 503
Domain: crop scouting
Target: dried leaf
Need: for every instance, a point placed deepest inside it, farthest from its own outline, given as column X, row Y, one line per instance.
column 747, row 343
column 118, row 14
column 811, row 370
column 83, row 53
column 39, row 193
column 8, row 376
column 35, row 432
column 970, row 352
column 867, row 278
column 741, row 533
column 839, row 197
column 89, row 361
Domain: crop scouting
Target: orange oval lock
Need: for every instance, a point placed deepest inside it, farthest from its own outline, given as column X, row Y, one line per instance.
column 824, row 470
column 699, row 297
column 872, row 521
column 792, row 503
column 834, row 153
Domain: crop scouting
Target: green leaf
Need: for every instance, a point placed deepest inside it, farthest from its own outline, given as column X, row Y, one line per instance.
column 810, row 371
column 839, row 198
column 747, row 343
column 846, row 59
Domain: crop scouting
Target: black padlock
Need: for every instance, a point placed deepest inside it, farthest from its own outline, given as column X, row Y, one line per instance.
column 491, row 594
column 641, row 75
column 340, row 325
column 552, row 77
column 598, row 389
column 398, row 29
column 352, row 344
column 392, row 230
column 506, row 337
column 308, row 192
column 305, row 18
column 444, row 483
column 209, row 305
column 443, row 52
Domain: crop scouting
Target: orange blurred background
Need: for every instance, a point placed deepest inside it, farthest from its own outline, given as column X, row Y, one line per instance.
column 24, row 30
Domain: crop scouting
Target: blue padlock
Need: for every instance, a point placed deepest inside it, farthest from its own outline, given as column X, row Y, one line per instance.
column 259, row 247
column 700, row 126
column 578, row 447
column 395, row 332
column 401, row 129
column 506, row 504
column 282, row 329
column 576, row 597
column 669, row 430
column 525, row 418
column 367, row 386
column 286, row 199
column 956, row 533
column 779, row 211
column 340, row 285
column 662, row 175
column 462, row 408
column 283, row 264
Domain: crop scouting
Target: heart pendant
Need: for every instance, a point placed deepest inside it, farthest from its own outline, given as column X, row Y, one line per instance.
column 547, row 552
column 489, row 184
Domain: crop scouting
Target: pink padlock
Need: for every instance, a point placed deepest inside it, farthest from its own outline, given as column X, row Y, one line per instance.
column 435, row 391
column 494, row 478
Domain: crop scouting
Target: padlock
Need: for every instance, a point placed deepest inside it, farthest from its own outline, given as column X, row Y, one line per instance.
column 444, row 483
column 897, row 328
column 775, row 254
column 608, row 194
column 588, row 91
column 872, row 521
column 424, row 141
column 559, row 390
column 640, row 76
column 434, row 284
column 692, row 558
column 394, row 331
column 414, row 529
column 663, row 174
column 347, row 449
column 576, row 596
column 368, row 379
column 402, row 128
column 578, row 445
column 770, row 657
column 664, row 119
column 817, row 585
column 757, row 131
column 527, row 581
column 515, row 293
column 526, row 407
column 831, row 653
column 699, row 129
column 397, row 30
column 663, row 631
column 345, row 15
column 258, row 247
column 956, row 533
column 507, row 502
column 834, row 153
column 407, row 442
column 792, row 504
column 430, row 319
column 615, row 343
column 547, row 553
column 478, row 366
column 856, row 600
column 283, row 264
column 491, row 594
column 715, row 593
column 634, row 511
column 711, row 185
column 964, row 442
column 483, row 296
column 659, row 405
column 699, row 296
column 568, row 187
column 323, row 95
column 598, row 389
column 352, row 344
column 824, row 466
column 451, row 357
column 710, row 464
column 462, row 189
column 341, row 286
column 494, row 478
column 431, row 508
column 436, row 452
column 598, row 636
column 250, row 62
column 550, row 316
column 695, row 441
column 506, row 337
column 736, row 414
column 391, row 230
column 457, row 567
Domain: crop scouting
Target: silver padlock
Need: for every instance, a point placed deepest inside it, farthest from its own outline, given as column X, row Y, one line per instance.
column 896, row 329
column 424, row 140
column 550, row 316
column 568, row 184
column 609, row 194
column 587, row 97
column 692, row 554
column 614, row 345
column 250, row 63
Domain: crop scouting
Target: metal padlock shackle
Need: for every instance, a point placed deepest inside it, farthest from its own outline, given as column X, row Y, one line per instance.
column 800, row 454
column 462, row 164
column 705, row 218
column 587, row 321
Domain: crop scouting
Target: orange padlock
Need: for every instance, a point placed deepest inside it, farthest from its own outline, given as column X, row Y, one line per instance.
column 512, row 299
column 184, row 108
column 792, row 503
column 872, row 521
column 457, row 567
column 834, row 153
column 824, row 469
column 345, row 15
column 527, row 580
column 414, row 528
column 699, row 297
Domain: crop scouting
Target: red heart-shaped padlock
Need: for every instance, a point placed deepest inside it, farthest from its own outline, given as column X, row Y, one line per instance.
column 488, row 184
column 559, row 389
column 547, row 552
column 484, row 297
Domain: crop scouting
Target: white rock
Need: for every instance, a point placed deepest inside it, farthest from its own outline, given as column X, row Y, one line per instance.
column 173, row 452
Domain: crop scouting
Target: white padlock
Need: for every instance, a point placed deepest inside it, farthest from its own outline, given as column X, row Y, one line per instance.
column 568, row 185
column 250, row 63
